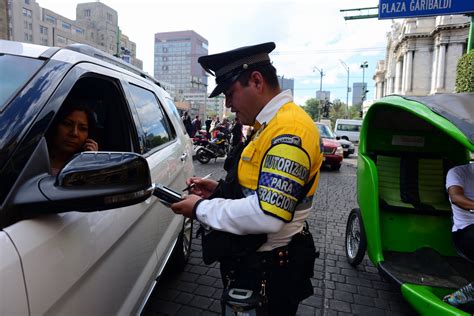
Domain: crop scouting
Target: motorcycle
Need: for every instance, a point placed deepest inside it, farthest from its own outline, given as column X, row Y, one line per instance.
column 217, row 147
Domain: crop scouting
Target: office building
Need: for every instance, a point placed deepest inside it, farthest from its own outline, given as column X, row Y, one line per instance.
column 175, row 62
column 95, row 25
column 358, row 92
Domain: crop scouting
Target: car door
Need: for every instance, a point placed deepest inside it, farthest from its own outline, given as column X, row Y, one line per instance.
column 90, row 263
column 166, row 151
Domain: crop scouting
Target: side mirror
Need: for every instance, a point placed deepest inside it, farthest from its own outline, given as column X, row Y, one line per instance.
column 91, row 181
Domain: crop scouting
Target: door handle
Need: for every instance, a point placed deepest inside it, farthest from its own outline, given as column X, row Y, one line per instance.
column 184, row 157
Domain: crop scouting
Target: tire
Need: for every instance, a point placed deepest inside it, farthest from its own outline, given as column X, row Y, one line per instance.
column 356, row 242
column 203, row 156
column 346, row 155
column 182, row 249
column 336, row 167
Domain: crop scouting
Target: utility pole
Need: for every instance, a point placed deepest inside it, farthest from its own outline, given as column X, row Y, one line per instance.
column 347, row 91
column 364, row 89
column 320, row 90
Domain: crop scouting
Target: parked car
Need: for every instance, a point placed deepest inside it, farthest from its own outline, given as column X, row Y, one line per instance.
column 347, row 146
column 93, row 239
column 348, row 129
column 332, row 149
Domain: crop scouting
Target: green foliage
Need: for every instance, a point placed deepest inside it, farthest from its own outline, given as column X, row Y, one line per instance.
column 465, row 73
column 312, row 108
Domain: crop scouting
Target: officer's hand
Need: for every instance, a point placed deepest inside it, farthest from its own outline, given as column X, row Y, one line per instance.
column 185, row 207
column 202, row 187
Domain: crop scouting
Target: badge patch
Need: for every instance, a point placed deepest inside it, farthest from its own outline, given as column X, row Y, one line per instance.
column 287, row 139
column 284, row 172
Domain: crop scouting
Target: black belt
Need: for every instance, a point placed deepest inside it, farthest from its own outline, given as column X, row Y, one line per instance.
column 278, row 257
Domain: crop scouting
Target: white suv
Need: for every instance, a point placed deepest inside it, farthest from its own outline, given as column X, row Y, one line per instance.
column 93, row 239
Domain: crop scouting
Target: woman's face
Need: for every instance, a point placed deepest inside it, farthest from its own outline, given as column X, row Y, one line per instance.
column 72, row 132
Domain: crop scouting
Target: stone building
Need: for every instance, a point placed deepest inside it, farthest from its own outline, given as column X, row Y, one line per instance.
column 422, row 55
column 4, row 19
column 96, row 25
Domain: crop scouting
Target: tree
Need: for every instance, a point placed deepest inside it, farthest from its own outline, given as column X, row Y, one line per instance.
column 312, row 108
column 465, row 73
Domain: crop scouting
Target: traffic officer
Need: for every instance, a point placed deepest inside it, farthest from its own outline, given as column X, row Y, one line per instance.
column 257, row 213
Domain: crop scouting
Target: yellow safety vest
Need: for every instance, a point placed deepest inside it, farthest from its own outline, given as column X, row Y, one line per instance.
column 283, row 155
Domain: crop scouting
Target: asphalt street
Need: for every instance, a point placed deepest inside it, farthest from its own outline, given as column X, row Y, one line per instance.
column 339, row 289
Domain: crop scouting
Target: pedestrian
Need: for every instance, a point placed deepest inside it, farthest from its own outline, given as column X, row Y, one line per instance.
column 255, row 217
column 236, row 132
column 197, row 126
column 208, row 127
column 460, row 186
column 188, row 124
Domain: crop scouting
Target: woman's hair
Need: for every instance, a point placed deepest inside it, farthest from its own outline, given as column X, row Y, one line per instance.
column 68, row 107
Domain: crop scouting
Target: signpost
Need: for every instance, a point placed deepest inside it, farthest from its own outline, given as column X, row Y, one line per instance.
column 395, row 9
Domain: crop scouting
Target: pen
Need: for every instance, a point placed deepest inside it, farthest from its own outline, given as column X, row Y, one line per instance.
column 189, row 187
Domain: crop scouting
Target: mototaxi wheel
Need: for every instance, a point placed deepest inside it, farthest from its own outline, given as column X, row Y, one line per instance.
column 203, row 156
column 356, row 242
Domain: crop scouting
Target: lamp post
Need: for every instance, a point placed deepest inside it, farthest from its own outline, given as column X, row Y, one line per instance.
column 321, row 73
column 347, row 89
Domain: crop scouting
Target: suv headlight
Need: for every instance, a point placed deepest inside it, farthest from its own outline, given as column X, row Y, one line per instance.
column 339, row 151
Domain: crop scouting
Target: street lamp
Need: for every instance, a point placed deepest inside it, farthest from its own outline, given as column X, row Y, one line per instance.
column 347, row 91
column 364, row 90
column 320, row 89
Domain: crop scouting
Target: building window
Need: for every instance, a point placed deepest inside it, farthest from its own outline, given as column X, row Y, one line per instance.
column 43, row 30
column 66, row 25
column 61, row 40
column 87, row 12
column 27, row 12
column 109, row 17
column 79, row 31
column 26, row 37
column 50, row 19
column 27, row 1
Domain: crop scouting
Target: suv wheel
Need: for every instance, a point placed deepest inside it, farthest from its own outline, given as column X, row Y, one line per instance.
column 182, row 249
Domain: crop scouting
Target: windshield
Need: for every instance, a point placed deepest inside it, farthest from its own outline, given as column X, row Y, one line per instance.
column 325, row 131
column 15, row 71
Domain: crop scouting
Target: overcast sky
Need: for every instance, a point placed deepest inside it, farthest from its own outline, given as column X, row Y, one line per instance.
column 307, row 33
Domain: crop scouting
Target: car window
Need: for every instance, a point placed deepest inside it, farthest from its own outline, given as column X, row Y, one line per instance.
column 174, row 109
column 156, row 127
column 15, row 71
column 324, row 131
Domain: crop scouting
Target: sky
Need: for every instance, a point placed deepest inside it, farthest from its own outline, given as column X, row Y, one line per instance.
column 310, row 35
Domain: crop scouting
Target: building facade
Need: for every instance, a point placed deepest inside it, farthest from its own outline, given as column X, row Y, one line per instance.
column 4, row 19
column 422, row 55
column 95, row 25
column 287, row 84
column 175, row 62
column 358, row 89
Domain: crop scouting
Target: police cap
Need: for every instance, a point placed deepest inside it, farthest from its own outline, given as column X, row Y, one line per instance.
column 228, row 66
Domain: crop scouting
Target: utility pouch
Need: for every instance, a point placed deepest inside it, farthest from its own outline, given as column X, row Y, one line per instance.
column 302, row 254
column 217, row 244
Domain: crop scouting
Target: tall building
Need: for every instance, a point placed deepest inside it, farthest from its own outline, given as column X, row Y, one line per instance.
column 175, row 62
column 95, row 25
column 287, row 84
column 358, row 89
column 422, row 55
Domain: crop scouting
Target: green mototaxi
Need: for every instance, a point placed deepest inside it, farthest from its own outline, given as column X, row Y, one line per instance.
column 404, row 220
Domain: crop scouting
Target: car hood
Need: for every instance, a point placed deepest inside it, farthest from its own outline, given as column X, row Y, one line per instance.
column 327, row 142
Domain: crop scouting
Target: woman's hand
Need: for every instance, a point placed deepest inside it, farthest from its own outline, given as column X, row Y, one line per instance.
column 90, row 145
column 202, row 187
